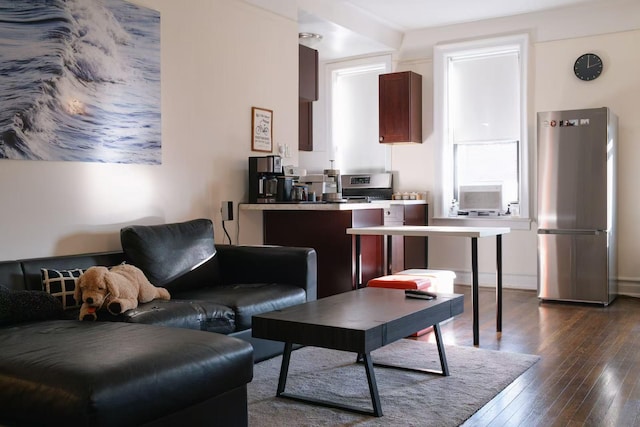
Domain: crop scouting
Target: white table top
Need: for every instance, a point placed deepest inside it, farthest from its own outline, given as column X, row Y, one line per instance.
column 428, row 230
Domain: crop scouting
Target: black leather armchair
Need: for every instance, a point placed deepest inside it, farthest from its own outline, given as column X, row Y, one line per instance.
column 248, row 280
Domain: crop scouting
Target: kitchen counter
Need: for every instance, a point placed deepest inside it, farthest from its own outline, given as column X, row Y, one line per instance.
column 324, row 206
column 323, row 226
column 407, row 202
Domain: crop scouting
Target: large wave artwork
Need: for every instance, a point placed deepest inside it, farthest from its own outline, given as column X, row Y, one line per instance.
column 79, row 81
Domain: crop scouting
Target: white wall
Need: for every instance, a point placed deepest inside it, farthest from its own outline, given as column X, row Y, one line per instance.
column 553, row 86
column 219, row 58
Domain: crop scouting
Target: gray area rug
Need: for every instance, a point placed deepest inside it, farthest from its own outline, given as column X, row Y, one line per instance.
column 407, row 398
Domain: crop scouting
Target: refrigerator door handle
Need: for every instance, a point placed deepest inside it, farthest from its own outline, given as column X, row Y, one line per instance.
column 571, row 232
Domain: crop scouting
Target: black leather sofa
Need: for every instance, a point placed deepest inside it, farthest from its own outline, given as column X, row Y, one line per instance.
column 183, row 361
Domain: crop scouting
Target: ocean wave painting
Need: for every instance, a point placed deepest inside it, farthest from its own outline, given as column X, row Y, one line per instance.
column 79, row 81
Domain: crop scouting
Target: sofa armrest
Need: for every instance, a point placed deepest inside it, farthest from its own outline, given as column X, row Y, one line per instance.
column 269, row 264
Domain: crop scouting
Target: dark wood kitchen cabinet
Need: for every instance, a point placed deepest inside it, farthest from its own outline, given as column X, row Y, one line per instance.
column 400, row 107
column 307, row 73
column 305, row 126
column 325, row 231
column 307, row 93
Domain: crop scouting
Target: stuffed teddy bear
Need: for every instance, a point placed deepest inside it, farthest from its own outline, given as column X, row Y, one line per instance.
column 118, row 288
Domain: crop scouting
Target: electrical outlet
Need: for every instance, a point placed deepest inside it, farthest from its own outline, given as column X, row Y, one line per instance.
column 227, row 211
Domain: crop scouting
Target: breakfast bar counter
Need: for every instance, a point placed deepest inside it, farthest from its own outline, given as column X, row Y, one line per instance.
column 327, row 206
column 323, row 226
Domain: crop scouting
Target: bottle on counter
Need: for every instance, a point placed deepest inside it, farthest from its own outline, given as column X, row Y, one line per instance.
column 453, row 209
column 515, row 209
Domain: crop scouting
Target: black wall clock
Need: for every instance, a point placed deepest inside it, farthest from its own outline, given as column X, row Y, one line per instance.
column 588, row 66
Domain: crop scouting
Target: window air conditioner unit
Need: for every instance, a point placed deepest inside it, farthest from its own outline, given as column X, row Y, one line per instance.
column 481, row 200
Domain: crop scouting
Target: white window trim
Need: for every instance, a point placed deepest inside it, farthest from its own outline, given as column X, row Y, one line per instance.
column 443, row 187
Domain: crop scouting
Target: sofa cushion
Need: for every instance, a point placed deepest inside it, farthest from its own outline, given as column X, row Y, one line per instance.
column 62, row 284
column 11, row 275
column 26, row 306
column 249, row 299
column 174, row 256
column 113, row 373
column 202, row 315
column 32, row 268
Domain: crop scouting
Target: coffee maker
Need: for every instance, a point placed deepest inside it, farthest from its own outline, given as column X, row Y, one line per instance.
column 267, row 183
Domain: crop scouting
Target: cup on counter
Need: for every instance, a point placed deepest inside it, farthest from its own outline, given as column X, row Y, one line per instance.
column 515, row 209
column 299, row 193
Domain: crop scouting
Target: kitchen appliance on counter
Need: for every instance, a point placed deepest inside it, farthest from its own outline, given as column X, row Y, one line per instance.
column 267, row 183
column 316, row 183
column 333, row 187
column 577, row 152
column 367, row 186
column 326, row 186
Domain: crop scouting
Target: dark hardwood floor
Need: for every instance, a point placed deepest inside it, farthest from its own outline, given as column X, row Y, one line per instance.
column 589, row 372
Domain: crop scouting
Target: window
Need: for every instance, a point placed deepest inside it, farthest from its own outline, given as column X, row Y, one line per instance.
column 480, row 119
column 353, row 106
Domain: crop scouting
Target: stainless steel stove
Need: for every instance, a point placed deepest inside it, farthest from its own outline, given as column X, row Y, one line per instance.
column 367, row 186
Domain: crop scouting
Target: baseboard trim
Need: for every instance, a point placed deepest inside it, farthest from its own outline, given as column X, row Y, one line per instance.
column 509, row 281
column 629, row 287
column 626, row 286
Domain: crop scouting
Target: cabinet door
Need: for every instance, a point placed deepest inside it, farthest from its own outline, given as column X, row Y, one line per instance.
column 325, row 231
column 400, row 107
column 307, row 73
column 408, row 251
column 415, row 248
column 305, row 126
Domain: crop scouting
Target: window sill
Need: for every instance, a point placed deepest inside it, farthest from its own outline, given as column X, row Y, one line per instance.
column 496, row 221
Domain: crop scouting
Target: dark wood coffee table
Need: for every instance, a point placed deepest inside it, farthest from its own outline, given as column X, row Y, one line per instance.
column 359, row 321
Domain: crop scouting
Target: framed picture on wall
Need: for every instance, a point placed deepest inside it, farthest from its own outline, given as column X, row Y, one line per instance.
column 261, row 129
column 94, row 113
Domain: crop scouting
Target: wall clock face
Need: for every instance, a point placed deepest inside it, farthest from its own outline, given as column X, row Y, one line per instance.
column 588, row 66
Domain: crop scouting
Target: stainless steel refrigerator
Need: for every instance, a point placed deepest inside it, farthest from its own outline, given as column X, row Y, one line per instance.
column 577, row 152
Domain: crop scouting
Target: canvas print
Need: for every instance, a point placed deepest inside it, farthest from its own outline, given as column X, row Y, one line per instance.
column 79, row 81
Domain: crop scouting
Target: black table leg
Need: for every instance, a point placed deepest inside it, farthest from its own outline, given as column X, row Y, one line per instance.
column 373, row 387
column 444, row 367
column 371, row 379
column 389, row 242
column 499, row 283
column 284, row 368
column 474, row 291
column 358, row 263
column 441, row 353
column 366, row 359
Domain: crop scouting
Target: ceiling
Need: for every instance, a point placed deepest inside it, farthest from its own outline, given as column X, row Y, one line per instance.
column 358, row 27
column 409, row 15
